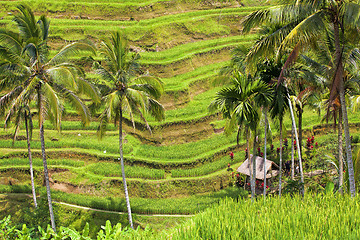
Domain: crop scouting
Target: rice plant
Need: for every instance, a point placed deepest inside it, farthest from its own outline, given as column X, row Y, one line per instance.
column 205, row 169
column 114, row 170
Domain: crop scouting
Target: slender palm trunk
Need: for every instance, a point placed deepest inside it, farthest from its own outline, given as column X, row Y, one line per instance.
column 343, row 108
column 123, row 170
column 30, row 161
column 300, row 129
column 253, row 161
column 280, row 163
column 247, row 132
column 265, row 135
column 292, row 154
column 297, row 143
column 340, row 149
column 46, row 173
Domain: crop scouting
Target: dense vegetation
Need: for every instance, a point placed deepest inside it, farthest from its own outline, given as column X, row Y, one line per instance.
column 178, row 53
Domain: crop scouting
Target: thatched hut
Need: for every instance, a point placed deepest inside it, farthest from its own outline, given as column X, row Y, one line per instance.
column 271, row 168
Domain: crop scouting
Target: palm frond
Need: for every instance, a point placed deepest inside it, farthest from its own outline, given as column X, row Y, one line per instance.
column 156, row 109
column 44, row 26
column 63, row 76
column 11, row 40
column 151, row 85
column 306, row 31
column 7, row 98
column 77, row 103
column 53, row 104
column 104, row 74
column 26, row 22
column 69, row 50
column 88, row 89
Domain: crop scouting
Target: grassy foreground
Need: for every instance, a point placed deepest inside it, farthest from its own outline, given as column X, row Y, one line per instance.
column 313, row 217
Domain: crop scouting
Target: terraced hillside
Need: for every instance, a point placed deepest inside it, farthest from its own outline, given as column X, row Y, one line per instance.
column 185, row 43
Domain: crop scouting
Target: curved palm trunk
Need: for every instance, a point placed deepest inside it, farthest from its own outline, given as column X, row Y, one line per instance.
column 339, row 76
column 297, row 144
column 265, row 135
column 340, row 149
column 292, row 154
column 253, row 161
column 123, row 171
column 280, row 163
column 46, row 173
column 30, row 161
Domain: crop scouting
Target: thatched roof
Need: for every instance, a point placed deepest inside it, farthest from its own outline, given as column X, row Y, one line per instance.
column 270, row 166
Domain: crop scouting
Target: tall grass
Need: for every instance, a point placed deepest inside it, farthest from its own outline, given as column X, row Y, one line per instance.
column 314, row 217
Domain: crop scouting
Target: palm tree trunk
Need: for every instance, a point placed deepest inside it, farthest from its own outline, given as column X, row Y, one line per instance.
column 340, row 149
column 248, row 134
column 300, row 128
column 123, row 171
column 297, row 143
column 253, row 161
column 30, row 161
column 280, row 163
column 265, row 135
column 46, row 173
column 292, row 154
column 339, row 74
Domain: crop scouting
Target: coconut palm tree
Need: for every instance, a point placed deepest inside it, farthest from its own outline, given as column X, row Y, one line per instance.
column 128, row 92
column 240, row 103
column 278, row 110
column 32, row 75
column 322, row 65
column 303, row 22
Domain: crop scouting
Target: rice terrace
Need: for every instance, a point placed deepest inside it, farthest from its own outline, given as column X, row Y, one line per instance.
column 188, row 119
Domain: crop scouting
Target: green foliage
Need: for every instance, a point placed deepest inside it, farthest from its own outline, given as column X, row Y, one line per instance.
column 278, row 218
column 114, row 170
column 187, row 50
column 204, row 169
column 6, row 162
column 83, row 142
column 187, row 205
column 185, row 151
column 6, row 230
column 293, row 187
column 285, row 218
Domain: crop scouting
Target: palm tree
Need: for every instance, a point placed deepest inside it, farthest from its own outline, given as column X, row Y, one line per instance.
column 240, row 104
column 32, row 75
column 267, row 71
column 278, row 109
column 23, row 113
column 303, row 22
column 321, row 65
column 128, row 92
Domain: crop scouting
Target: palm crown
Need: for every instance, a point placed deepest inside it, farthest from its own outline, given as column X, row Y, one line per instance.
column 28, row 71
column 126, row 90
